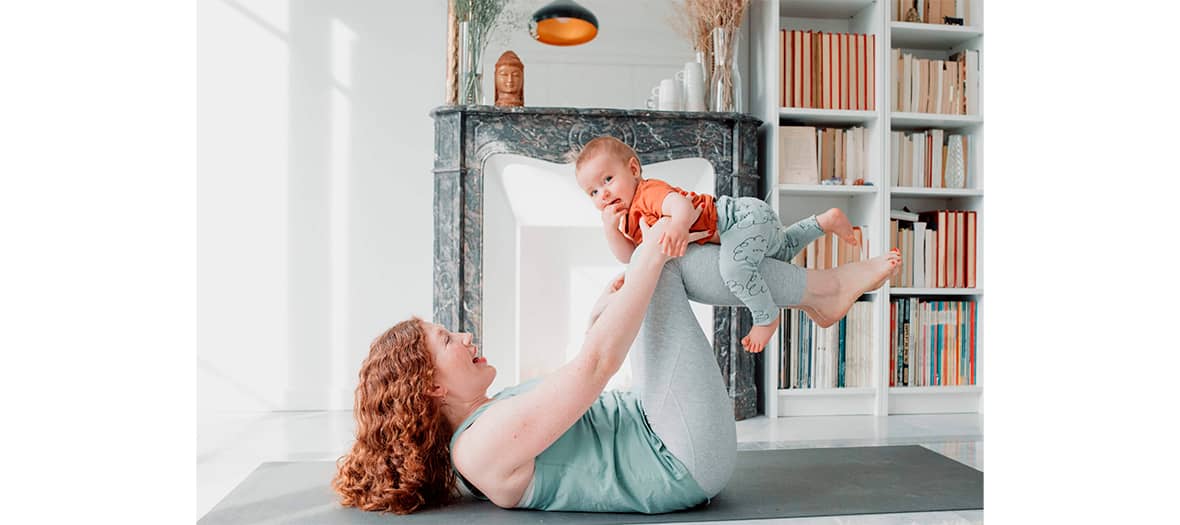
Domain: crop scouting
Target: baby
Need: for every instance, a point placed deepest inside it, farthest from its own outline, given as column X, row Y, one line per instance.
column 747, row 228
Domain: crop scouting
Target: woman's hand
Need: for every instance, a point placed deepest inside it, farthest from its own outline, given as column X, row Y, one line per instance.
column 652, row 236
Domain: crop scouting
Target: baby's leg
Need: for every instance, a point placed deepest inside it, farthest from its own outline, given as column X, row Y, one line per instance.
column 743, row 246
column 680, row 384
column 826, row 294
column 796, row 237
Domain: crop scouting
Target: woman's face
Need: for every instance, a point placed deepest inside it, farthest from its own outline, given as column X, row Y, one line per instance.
column 458, row 366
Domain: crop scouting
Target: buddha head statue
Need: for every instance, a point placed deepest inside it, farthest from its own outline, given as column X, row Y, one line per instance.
column 509, row 80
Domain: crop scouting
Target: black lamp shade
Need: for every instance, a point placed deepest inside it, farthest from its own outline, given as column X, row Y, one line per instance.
column 563, row 23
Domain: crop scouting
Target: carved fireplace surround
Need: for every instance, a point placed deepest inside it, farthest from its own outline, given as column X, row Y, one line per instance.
column 466, row 136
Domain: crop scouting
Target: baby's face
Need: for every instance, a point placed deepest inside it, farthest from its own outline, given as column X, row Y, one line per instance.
column 606, row 179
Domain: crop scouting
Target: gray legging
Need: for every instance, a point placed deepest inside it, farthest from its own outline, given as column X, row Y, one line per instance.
column 677, row 376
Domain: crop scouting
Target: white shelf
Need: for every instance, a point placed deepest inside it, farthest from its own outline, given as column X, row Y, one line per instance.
column 934, row 120
column 936, row 291
column 822, row 8
column 912, row 35
column 814, row 392
column 934, row 390
column 826, row 401
column 819, row 189
column 827, row 116
column 934, row 399
column 940, row 193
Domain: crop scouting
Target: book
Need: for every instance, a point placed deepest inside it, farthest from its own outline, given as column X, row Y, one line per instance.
column 936, row 136
column 826, row 70
column 827, row 160
column 817, row 71
column 853, row 160
column 785, row 80
column 862, row 61
column 840, row 156
column 928, row 264
column 952, row 256
column 805, row 38
column 797, row 158
column 918, row 254
column 844, row 70
column 872, row 72
column 960, row 249
column 970, row 243
column 938, row 220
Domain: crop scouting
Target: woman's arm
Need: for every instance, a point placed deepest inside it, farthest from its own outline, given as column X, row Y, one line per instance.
column 501, row 445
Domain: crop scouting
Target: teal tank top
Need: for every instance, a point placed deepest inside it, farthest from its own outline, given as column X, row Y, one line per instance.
column 608, row 461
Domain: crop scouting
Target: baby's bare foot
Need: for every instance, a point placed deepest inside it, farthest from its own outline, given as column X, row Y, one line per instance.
column 835, row 290
column 836, row 222
column 758, row 337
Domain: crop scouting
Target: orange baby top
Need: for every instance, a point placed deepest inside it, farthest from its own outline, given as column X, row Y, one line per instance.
column 648, row 202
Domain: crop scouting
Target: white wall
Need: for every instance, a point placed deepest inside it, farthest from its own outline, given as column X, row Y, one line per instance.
column 314, row 192
column 635, row 48
column 314, row 187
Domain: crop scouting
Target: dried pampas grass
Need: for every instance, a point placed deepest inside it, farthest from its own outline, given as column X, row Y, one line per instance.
column 695, row 20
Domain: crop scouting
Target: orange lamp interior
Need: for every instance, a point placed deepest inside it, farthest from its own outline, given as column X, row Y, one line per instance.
column 565, row 31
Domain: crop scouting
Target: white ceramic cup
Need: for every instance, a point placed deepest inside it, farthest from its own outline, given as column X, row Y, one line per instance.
column 671, row 98
column 693, row 80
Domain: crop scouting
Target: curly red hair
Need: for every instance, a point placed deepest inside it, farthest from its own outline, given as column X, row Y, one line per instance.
column 401, row 459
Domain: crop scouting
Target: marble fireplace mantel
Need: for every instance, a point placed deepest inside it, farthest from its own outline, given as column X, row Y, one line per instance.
column 466, row 136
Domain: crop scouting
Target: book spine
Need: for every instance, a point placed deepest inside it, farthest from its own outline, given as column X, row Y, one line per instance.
column 842, row 349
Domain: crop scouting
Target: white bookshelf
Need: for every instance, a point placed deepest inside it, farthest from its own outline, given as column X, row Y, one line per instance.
column 867, row 205
column 807, row 189
column 935, row 291
column 829, row 117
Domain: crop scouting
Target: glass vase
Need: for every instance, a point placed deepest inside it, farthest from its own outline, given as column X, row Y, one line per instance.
column 470, row 66
column 725, row 93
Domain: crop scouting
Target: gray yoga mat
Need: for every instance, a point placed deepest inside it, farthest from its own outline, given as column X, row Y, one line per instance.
column 766, row 484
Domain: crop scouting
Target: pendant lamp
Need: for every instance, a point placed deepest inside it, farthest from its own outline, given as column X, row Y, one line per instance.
column 563, row 23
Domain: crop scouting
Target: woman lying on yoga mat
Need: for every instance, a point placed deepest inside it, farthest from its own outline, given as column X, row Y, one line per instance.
column 559, row 442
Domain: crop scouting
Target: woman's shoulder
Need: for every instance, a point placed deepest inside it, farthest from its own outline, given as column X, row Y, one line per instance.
column 505, row 491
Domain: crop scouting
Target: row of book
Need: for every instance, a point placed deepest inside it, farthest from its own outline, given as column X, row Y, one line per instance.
column 938, row 248
column 811, row 155
column 932, row 343
column 827, row 70
column 829, row 251
column 833, row 357
column 932, row 11
column 927, row 85
column 929, row 159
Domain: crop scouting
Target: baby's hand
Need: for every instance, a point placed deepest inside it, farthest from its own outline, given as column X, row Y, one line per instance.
column 674, row 240
column 611, row 216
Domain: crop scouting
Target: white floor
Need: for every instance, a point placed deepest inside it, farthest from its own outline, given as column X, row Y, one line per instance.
column 231, row 445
